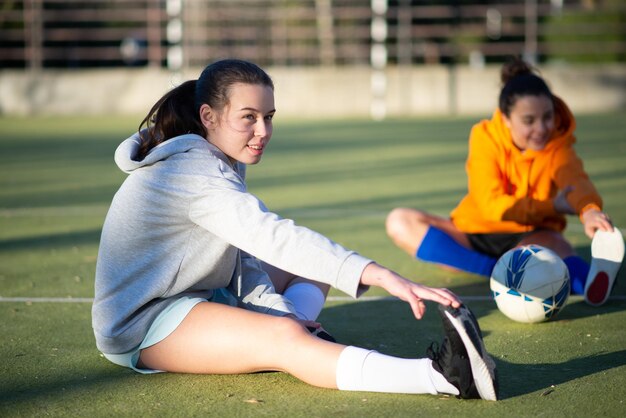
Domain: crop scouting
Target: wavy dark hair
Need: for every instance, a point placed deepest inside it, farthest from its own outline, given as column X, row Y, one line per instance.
column 178, row 111
column 519, row 79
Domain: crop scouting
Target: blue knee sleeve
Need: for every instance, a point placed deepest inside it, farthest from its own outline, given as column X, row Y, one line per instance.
column 578, row 271
column 439, row 247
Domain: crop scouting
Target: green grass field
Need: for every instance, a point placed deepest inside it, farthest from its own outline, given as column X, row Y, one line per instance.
column 340, row 178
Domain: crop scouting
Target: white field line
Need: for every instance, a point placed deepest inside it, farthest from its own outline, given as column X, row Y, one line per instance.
column 329, row 299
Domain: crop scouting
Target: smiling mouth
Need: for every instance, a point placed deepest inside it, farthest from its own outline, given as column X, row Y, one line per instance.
column 537, row 143
column 256, row 149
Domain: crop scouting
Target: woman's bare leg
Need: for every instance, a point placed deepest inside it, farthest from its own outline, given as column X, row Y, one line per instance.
column 220, row 339
column 407, row 228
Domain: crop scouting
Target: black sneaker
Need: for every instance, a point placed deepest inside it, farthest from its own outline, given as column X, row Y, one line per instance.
column 451, row 360
column 462, row 358
column 321, row 333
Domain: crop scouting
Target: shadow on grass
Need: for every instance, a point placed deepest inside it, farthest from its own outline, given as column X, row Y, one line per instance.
column 65, row 239
column 521, row 379
column 580, row 309
column 81, row 383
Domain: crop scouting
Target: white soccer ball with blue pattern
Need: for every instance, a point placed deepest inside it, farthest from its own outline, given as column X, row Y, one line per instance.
column 530, row 284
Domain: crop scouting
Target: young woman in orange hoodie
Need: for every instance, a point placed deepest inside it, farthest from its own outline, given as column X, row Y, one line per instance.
column 524, row 177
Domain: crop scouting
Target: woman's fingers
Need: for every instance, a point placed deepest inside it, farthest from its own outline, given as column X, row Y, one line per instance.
column 439, row 295
column 421, row 293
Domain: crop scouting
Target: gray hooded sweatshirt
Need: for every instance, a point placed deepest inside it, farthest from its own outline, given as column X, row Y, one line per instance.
column 183, row 224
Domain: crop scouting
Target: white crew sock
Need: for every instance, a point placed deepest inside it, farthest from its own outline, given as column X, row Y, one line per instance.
column 307, row 298
column 359, row 369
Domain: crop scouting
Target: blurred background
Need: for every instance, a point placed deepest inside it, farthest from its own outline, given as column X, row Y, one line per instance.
column 328, row 58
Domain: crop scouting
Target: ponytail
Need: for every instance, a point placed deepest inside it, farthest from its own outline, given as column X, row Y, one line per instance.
column 519, row 79
column 173, row 115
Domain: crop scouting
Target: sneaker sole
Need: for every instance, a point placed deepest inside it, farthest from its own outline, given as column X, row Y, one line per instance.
column 607, row 253
column 483, row 366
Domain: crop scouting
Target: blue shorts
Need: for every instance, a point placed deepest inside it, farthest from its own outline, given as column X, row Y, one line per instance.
column 164, row 324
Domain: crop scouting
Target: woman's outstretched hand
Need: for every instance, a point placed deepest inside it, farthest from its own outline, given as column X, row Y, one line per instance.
column 413, row 293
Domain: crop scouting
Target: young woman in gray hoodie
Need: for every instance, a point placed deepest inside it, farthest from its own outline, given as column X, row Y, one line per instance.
column 180, row 285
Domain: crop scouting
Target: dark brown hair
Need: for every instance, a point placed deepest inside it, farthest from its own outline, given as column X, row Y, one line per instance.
column 178, row 111
column 519, row 79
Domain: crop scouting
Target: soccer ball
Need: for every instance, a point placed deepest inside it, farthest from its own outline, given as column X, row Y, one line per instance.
column 530, row 283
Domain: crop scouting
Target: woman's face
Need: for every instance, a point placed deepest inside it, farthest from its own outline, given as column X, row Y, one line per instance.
column 531, row 122
column 244, row 127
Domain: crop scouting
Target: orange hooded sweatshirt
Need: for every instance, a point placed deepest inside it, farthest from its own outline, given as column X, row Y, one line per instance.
column 511, row 191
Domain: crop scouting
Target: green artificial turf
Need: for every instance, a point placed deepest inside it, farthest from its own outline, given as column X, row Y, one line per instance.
column 340, row 178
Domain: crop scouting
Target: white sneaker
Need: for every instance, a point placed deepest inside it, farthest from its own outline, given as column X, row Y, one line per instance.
column 607, row 253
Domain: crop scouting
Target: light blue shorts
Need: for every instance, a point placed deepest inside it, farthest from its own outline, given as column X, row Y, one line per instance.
column 164, row 324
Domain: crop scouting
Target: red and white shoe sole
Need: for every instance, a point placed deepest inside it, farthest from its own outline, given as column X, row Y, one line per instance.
column 607, row 253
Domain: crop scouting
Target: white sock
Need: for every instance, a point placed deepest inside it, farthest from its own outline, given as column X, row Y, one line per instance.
column 359, row 369
column 307, row 298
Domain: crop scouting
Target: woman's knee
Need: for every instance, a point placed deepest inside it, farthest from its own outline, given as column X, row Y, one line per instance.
column 407, row 227
column 287, row 329
column 399, row 220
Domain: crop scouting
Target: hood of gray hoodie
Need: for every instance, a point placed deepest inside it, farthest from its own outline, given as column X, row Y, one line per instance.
column 127, row 151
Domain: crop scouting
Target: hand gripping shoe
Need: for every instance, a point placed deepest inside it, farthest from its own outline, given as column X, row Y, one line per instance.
column 462, row 358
